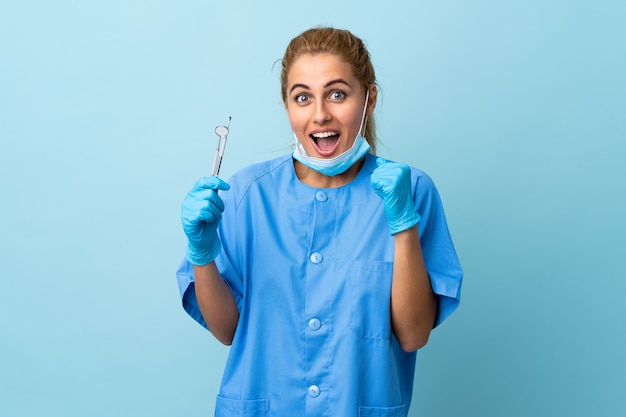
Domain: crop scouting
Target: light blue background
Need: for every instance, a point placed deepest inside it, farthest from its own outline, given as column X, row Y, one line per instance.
column 107, row 111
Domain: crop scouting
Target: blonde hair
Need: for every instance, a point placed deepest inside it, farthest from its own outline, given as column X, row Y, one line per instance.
column 343, row 44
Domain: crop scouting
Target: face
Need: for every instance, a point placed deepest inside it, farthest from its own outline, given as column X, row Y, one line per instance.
column 325, row 103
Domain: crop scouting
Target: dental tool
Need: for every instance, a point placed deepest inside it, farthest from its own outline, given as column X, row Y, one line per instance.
column 222, row 132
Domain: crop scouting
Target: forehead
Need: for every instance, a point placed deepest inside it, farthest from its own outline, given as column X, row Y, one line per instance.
column 312, row 69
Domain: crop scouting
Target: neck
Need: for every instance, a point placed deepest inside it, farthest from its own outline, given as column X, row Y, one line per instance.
column 314, row 179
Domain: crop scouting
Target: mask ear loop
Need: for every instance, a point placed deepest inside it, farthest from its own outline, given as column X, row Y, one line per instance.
column 364, row 117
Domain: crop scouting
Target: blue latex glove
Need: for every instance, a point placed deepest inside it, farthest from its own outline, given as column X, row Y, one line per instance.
column 392, row 182
column 201, row 213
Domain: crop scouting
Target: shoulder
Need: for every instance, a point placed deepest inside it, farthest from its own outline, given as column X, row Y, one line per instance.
column 423, row 185
column 254, row 172
column 422, row 179
column 259, row 174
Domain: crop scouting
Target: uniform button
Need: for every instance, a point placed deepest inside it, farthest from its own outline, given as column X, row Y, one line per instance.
column 314, row 391
column 316, row 257
column 315, row 324
column 321, row 196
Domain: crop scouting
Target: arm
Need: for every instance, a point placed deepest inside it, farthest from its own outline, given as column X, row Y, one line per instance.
column 201, row 213
column 413, row 303
column 216, row 302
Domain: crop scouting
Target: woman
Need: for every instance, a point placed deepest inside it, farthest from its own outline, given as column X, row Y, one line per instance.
column 329, row 267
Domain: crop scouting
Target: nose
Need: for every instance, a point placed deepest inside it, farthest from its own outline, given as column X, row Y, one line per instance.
column 322, row 115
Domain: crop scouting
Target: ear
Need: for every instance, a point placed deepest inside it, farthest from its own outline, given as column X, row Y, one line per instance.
column 372, row 99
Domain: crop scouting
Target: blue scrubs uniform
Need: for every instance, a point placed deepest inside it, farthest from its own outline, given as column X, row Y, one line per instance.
column 311, row 271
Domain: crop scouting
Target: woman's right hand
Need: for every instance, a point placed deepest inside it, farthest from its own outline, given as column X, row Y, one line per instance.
column 201, row 213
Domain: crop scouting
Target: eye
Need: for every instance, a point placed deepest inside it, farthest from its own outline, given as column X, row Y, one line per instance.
column 301, row 98
column 337, row 95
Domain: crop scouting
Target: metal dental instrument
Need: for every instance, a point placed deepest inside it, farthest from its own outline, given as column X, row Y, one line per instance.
column 222, row 132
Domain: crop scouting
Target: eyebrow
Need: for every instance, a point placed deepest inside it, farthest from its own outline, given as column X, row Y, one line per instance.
column 328, row 84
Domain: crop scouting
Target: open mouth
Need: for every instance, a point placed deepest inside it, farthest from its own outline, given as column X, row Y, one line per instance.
column 325, row 142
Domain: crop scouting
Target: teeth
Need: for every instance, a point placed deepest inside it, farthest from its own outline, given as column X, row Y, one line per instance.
column 324, row 134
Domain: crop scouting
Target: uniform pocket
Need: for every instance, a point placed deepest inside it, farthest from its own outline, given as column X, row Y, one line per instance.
column 382, row 411
column 370, row 290
column 227, row 407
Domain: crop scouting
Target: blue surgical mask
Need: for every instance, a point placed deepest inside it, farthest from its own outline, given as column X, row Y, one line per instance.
column 340, row 163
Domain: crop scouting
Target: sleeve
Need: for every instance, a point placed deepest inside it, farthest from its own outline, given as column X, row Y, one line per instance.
column 185, row 278
column 442, row 263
